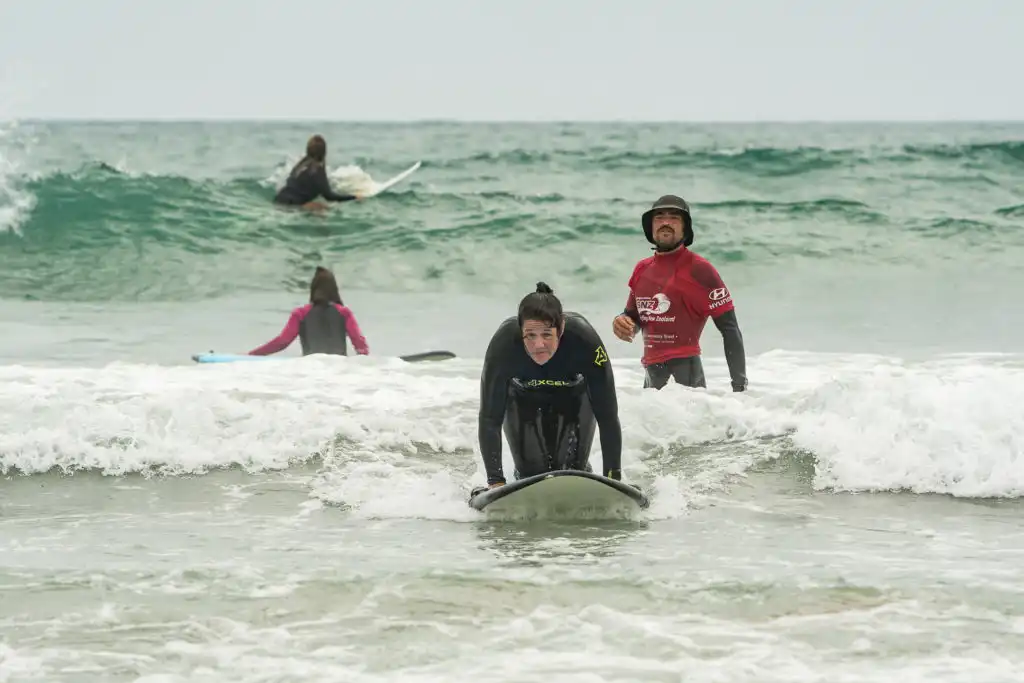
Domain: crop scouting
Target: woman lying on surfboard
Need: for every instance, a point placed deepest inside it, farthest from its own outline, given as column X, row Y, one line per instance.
column 548, row 382
column 308, row 179
column 321, row 325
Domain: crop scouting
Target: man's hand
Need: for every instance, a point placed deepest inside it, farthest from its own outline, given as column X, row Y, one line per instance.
column 624, row 327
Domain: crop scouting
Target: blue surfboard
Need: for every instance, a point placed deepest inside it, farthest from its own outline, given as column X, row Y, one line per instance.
column 212, row 357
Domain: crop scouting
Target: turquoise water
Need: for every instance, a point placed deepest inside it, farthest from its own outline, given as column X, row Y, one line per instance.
column 854, row 516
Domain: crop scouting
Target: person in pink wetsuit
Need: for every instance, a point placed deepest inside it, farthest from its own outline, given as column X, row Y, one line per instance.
column 322, row 325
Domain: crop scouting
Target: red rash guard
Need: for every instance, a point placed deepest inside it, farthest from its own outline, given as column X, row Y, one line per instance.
column 672, row 295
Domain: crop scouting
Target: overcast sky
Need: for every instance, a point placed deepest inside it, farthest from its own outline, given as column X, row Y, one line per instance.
column 689, row 60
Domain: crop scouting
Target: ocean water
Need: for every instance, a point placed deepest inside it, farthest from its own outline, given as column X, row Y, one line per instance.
column 855, row 516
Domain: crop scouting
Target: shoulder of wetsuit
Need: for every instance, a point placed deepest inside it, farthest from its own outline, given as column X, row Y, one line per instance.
column 575, row 318
column 582, row 340
column 577, row 326
column 508, row 327
column 505, row 335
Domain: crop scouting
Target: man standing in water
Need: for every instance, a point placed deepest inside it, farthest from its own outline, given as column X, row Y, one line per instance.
column 671, row 296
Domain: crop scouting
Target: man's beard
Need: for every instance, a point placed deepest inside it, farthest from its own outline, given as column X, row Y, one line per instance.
column 667, row 245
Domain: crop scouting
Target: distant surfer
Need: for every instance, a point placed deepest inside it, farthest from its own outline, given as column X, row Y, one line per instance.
column 548, row 381
column 322, row 325
column 671, row 296
column 308, row 179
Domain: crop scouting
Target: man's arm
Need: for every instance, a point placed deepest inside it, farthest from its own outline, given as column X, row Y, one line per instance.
column 597, row 370
column 494, row 379
column 620, row 328
column 720, row 307
column 735, row 356
column 630, row 310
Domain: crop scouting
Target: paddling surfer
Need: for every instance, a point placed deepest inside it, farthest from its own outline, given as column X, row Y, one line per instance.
column 548, row 382
column 308, row 179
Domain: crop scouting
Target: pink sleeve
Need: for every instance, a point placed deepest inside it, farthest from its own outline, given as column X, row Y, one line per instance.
column 352, row 328
column 281, row 341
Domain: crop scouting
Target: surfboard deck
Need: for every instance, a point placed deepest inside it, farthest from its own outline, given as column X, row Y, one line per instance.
column 212, row 357
column 563, row 492
column 392, row 181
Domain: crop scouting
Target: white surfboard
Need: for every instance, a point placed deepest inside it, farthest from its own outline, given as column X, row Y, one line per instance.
column 391, row 182
column 563, row 493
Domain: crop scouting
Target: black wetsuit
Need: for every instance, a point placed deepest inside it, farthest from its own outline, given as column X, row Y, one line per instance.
column 306, row 182
column 549, row 412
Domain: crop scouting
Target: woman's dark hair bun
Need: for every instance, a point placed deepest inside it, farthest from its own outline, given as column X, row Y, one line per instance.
column 541, row 304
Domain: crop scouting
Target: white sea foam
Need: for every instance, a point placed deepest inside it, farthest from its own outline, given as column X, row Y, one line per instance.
column 947, row 426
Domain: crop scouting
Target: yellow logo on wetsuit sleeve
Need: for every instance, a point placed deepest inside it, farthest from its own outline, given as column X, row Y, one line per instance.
column 600, row 357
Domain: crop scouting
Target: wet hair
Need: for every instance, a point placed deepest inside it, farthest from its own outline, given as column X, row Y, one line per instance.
column 542, row 305
column 323, row 288
column 316, row 148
